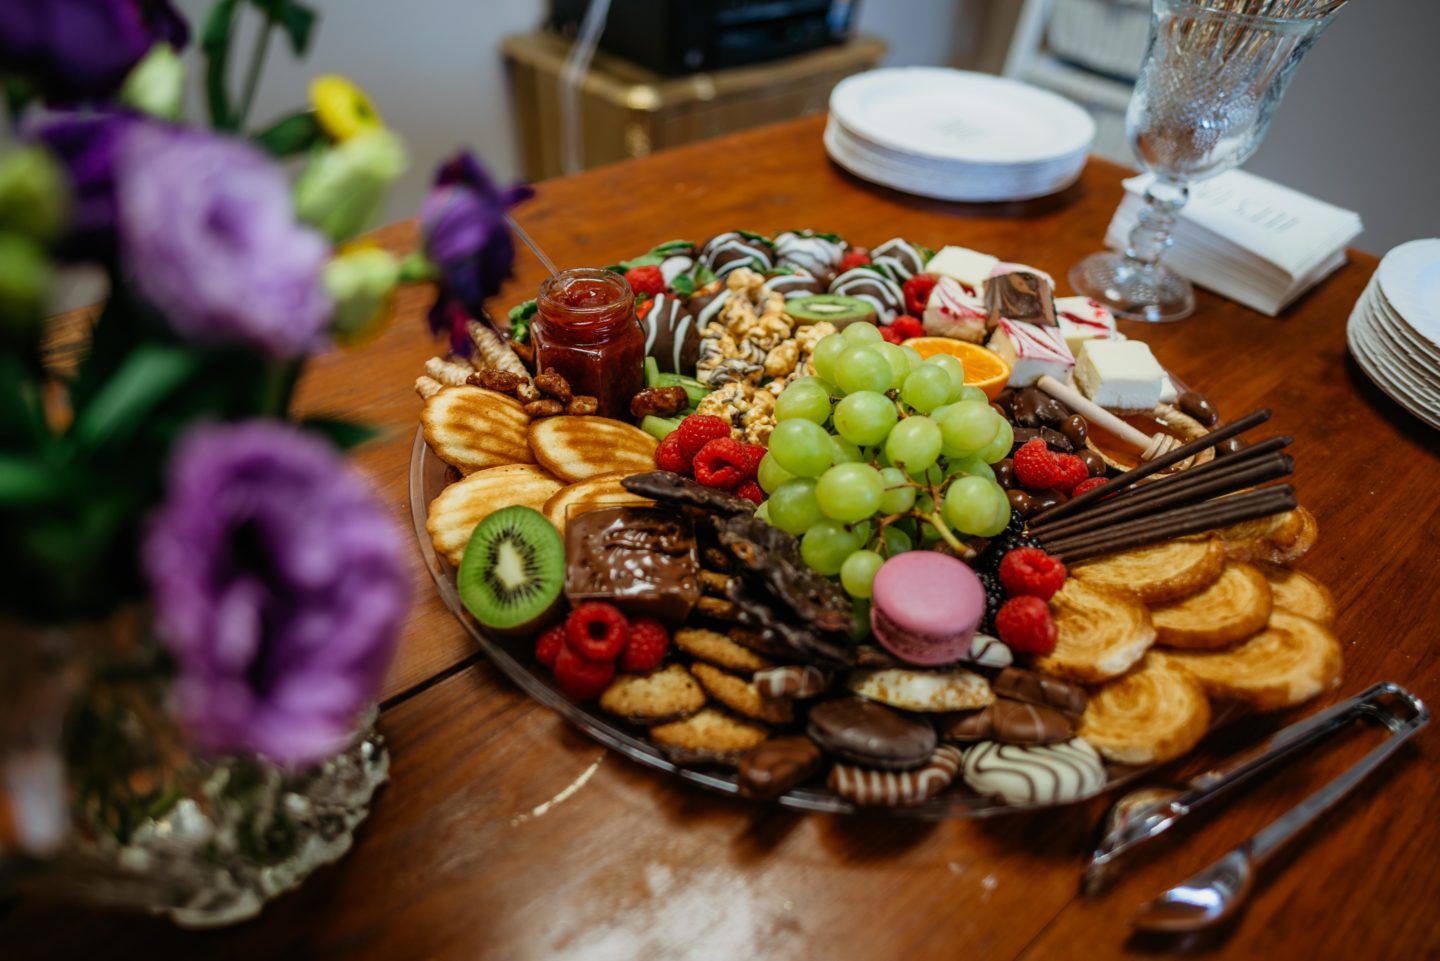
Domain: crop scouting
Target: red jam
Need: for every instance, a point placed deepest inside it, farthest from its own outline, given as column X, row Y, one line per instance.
column 585, row 329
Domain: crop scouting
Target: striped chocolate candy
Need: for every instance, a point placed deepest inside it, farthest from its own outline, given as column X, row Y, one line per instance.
column 872, row 788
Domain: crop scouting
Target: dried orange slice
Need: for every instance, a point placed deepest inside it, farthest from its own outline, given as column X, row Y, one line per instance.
column 983, row 368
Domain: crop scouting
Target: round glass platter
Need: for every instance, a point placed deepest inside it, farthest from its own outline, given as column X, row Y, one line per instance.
column 429, row 475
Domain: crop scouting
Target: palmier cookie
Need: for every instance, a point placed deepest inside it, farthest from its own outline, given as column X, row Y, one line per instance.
column 778, row 765
column 1034, row 774
column 663, row 695
column 1009, row 722
column 1297, row 593
column 870, row 788
column 741, row 696
column 871, row 734
column 922, row 691
column 797, row 681
column 710, row 736
column 1032, row 687
column 1155, row 713
column 1290, row 661
column 1100, row 634
column 715, row 648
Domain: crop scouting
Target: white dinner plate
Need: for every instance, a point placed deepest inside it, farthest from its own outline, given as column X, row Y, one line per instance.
column 1410, row 281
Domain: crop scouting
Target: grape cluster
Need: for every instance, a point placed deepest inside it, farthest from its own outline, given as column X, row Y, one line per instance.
column 879, row 452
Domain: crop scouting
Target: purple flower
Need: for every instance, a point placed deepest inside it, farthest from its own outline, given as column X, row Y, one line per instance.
column 208, row 235
column 82, row 49
column 86, row 145
column 463, row 225
column 279, row 585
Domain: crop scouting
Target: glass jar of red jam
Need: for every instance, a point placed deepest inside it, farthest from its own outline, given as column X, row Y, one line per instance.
column 585, row 329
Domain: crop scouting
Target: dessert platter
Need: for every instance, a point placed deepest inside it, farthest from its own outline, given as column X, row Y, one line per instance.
column 846, row 528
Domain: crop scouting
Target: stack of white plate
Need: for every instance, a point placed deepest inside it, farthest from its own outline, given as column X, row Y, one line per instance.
column 956, row 135
column 1394, row 330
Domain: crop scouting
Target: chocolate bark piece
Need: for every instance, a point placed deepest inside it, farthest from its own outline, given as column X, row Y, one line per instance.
column 777, row 625
column 672, row 335
column 773, row 556
column 1015, row 722
column 897, row 788
column 870, row 734
column 1036, row 688
column 644, row 560
column 1020, row 295
column 671, row 488
column 778, row 765
column 798, row 681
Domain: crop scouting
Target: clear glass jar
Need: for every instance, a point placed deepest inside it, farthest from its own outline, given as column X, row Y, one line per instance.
column 585, row 329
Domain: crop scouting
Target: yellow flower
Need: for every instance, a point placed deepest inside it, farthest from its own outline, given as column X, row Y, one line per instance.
column 342, row 109
column 361, row 278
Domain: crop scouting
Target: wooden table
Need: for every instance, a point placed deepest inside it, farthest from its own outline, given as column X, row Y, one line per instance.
column 506, row 834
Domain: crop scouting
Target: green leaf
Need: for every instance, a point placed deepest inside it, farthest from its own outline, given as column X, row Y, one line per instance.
column 145, row 379
column 344, row 434
column 671, row 248
column 18, row 94
column 26, row 481
column 290, row 135
column 215, row 44
column 296, row 19
column 644, row 260
column 761, row 238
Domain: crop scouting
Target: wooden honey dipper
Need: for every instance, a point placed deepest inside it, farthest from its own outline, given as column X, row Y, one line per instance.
column 1150, row 446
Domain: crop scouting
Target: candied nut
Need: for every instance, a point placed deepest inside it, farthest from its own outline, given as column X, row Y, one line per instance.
column 544, row 408
column 659, row 401
column 555, row 385
column 582, row 405
column 527, row 392
column 492, row 378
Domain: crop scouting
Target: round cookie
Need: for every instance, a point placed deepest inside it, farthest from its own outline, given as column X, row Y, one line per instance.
column 659, row 696
column 1009, row 722
column 923, row 691
column 1034, row 774
column 870, row 734
column 897, row 788
column 873, row 287
column 741, row 696
column 672, row 335
column 735, row 249
column 715, row 648
column 1155, row 713
column 709, row 736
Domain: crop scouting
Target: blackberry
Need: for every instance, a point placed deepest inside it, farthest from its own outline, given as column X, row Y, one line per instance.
column 994, row 597
column 989, row 559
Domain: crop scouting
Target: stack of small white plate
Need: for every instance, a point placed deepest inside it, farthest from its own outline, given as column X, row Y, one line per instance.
column 1394, row 330
column 956, row 135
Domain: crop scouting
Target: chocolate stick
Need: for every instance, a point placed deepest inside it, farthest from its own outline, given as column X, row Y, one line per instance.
column 1177, row 455
column 1171, row 495
column 1220, row 465
column 1175, row 523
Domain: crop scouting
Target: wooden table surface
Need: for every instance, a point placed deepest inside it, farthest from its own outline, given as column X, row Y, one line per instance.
column 504, row 833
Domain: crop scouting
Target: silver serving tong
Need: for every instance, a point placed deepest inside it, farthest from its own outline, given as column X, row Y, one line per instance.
column 1213, row 894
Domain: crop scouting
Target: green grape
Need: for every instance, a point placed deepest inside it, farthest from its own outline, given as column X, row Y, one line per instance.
column 825, row 546
column 770, row 474
column 999, row 448
column 849, row 492
column 846, row 452
column 971, row 466
column 862, row 368
column 924, row 503
column 857, row 574
column 828, row 348
column 793, row 507
column 865, row 417
column 913, row 356
column 801, row 447
column 862, row 334
column 899, row 496
column 895, row 540
column 863, row 530
column 972, row 392
column 899, row 363
column 977, row 507
column 926, row 388
column 934, row 474
column 968, row 427
column 956, row 370
column 808, row 401
column 860, row 620
column 763, row 511
column 914, row 442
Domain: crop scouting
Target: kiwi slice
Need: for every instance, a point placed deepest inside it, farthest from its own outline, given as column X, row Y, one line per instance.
column 513, row 570
column 838, row 309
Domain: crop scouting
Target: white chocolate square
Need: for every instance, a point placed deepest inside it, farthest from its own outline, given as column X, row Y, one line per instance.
column 970, row 267
column 1082, row 319
column 1120, row 374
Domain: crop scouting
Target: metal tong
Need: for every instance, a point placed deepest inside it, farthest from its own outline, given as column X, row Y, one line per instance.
column 1216, row 892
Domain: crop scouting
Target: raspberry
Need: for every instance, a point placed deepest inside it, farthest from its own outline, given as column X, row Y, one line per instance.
column 646, row 280
column 754, row 454
column 596, row 631
column 697, row 430
column 646, row 649
column 917, row 293
column 1072, row 472
column 721, row 463
column 1026, row 627
column 1086, row 486
column 907, row 327
column 751, row 492
column 858, row 257
column 580, row 677
column 549, row 645
column 1030, row 572
column 669, row 456
column 891, row 336
column 1035, row 467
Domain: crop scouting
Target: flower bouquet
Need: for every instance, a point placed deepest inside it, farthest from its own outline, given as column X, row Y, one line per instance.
column 202, row 596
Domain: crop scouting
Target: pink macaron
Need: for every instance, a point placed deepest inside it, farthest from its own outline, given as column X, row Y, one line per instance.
column 926, row 607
